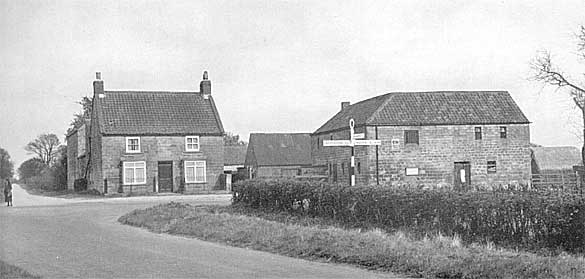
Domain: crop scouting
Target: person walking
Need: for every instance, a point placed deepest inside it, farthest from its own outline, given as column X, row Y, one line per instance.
column 8, row 192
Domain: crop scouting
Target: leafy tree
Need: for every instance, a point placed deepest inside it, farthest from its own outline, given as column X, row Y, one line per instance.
column 31, row 168
column 59, row 169
column 79, row 118
column 547, row 72
column 45, row 147
column 232, row 139
column 6, row 165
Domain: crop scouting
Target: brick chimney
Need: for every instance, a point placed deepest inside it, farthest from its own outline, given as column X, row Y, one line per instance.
column 205, row 86
column 344, row 105
column 98, row 85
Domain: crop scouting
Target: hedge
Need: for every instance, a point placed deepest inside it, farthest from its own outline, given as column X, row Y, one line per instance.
column 531, row 220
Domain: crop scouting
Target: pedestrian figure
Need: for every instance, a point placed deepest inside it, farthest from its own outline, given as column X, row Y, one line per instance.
column 8, row 192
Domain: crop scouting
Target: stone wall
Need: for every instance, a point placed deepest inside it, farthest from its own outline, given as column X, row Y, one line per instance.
column 438, row 149
column 155, row 149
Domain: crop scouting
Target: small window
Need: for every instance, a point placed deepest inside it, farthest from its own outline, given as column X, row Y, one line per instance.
column 195, row 172
column 192, row 143
column 359, row 168
column 133, row 145
column 491, row 166
column 411, row 136
column 343, row 168
column 411, row 171
column 503, row 132
column 134, row 173
column 477, row 133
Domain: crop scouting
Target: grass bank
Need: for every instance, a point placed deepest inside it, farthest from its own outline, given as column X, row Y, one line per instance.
column 431, row 257
column 11, row 271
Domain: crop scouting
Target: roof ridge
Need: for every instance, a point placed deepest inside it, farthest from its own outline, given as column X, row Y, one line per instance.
column 150, row 92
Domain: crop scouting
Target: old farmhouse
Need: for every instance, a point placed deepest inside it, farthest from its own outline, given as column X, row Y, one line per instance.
column 149, row 141
column 274, row 155
column 458, row 139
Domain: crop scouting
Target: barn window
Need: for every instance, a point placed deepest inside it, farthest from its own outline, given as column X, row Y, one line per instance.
column 477, row 133
column 411, row 136
column 491, row 166
column 503, row 132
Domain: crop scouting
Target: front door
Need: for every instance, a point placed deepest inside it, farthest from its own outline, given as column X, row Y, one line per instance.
column 165, row 176
column 462, row 176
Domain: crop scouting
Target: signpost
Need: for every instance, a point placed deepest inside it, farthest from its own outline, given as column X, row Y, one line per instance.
column 354, row 139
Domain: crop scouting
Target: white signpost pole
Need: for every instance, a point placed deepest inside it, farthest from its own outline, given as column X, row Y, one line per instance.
column 352, row 142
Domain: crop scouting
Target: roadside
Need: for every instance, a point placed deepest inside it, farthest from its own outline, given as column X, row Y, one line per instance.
column 10, row 271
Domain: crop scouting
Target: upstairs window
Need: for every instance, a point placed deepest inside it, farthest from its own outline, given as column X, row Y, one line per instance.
column 491, row 166
column 195, row 172
column 503, row 132
column 477, row 133
column 133, row 145
column 411, row 136
column 192, row 143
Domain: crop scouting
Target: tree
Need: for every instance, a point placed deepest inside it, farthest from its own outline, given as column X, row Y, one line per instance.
column 45, row 147
column 31, row 168
column 546, row 71
column 59, row 169
column 6, row 165
column 79, row 118
column 232, row 139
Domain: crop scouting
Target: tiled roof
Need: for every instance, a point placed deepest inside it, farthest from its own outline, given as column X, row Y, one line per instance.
column 138, row 113
column 431, row 108
column 234, row 155
column 279, row 149
column 556, row 158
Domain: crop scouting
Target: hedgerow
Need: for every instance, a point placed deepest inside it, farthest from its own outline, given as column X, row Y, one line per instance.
column 521, row 219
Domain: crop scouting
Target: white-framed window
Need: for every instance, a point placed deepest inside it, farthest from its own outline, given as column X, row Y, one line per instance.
column 192, row 143
column 132, row 144
column 195, row 172
column 134, row 173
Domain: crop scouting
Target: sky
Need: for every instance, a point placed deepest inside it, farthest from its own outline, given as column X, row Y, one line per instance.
column 281, row 66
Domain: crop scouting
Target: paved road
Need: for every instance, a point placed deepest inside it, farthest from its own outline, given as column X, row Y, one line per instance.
column 74, row 238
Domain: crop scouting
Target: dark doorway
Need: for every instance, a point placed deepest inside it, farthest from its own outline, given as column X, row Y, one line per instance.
column 165, row 176
column 462, row 175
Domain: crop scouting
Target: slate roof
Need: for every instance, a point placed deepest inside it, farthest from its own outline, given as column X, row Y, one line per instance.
column 430, row 108
column 234, row 155
column 556, row 158
column 157, row 113
column 281, row 149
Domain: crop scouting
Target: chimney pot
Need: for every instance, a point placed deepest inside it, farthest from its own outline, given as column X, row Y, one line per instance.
column 205, row 85
column 344, row 105
column 98, row 85
column 98, row 75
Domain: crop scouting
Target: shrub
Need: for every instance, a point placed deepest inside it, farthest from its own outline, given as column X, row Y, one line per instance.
column 531, row 220
column 80, row 185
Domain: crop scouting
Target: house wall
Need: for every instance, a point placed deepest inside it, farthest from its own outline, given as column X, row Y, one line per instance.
column 155, row 149
column 438, row 149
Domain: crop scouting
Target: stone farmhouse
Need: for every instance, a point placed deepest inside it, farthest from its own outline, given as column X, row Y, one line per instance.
column 274, row 155
column 462, row 140
column 148, row 141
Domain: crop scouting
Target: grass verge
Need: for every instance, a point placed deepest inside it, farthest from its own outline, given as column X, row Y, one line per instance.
column 11, row 271
column 431, row 257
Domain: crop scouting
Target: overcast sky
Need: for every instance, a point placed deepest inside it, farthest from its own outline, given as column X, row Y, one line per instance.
column 280, row 66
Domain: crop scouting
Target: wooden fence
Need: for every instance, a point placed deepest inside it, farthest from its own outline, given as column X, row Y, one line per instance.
column 557, row 180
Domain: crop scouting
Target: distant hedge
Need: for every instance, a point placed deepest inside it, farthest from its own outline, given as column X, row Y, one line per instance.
column 521, row 219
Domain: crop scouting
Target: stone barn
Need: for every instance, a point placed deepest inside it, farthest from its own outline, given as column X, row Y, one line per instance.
column 458, row 139
column 277, row 155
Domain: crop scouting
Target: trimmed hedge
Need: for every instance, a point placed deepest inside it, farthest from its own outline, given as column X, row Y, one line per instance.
column 531, row 220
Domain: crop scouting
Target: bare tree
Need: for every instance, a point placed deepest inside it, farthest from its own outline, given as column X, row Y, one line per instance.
column 545, row 71
column 45, row 147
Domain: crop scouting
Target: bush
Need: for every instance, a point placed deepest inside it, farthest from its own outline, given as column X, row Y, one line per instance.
column 531, row 220
column 80, row 185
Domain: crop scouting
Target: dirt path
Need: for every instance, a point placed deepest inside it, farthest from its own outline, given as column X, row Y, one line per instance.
column 59, row 238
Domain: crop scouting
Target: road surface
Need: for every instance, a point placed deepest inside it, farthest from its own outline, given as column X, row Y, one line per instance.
column 76, row 238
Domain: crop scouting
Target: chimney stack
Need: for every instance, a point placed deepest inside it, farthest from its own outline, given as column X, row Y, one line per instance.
column 205, row 86
column 344, row 105
column 98, row 85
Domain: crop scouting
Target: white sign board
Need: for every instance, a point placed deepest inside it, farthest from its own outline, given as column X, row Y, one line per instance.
column 359, row 136
column 368, row 142
column 336, row 143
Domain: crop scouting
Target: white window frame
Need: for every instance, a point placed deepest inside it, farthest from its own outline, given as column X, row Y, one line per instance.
column 194, row 165
column 135, row 167
column 187, row 143
column 128, row 145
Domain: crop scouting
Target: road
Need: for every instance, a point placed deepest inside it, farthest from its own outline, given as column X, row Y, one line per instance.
column 76, row 238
